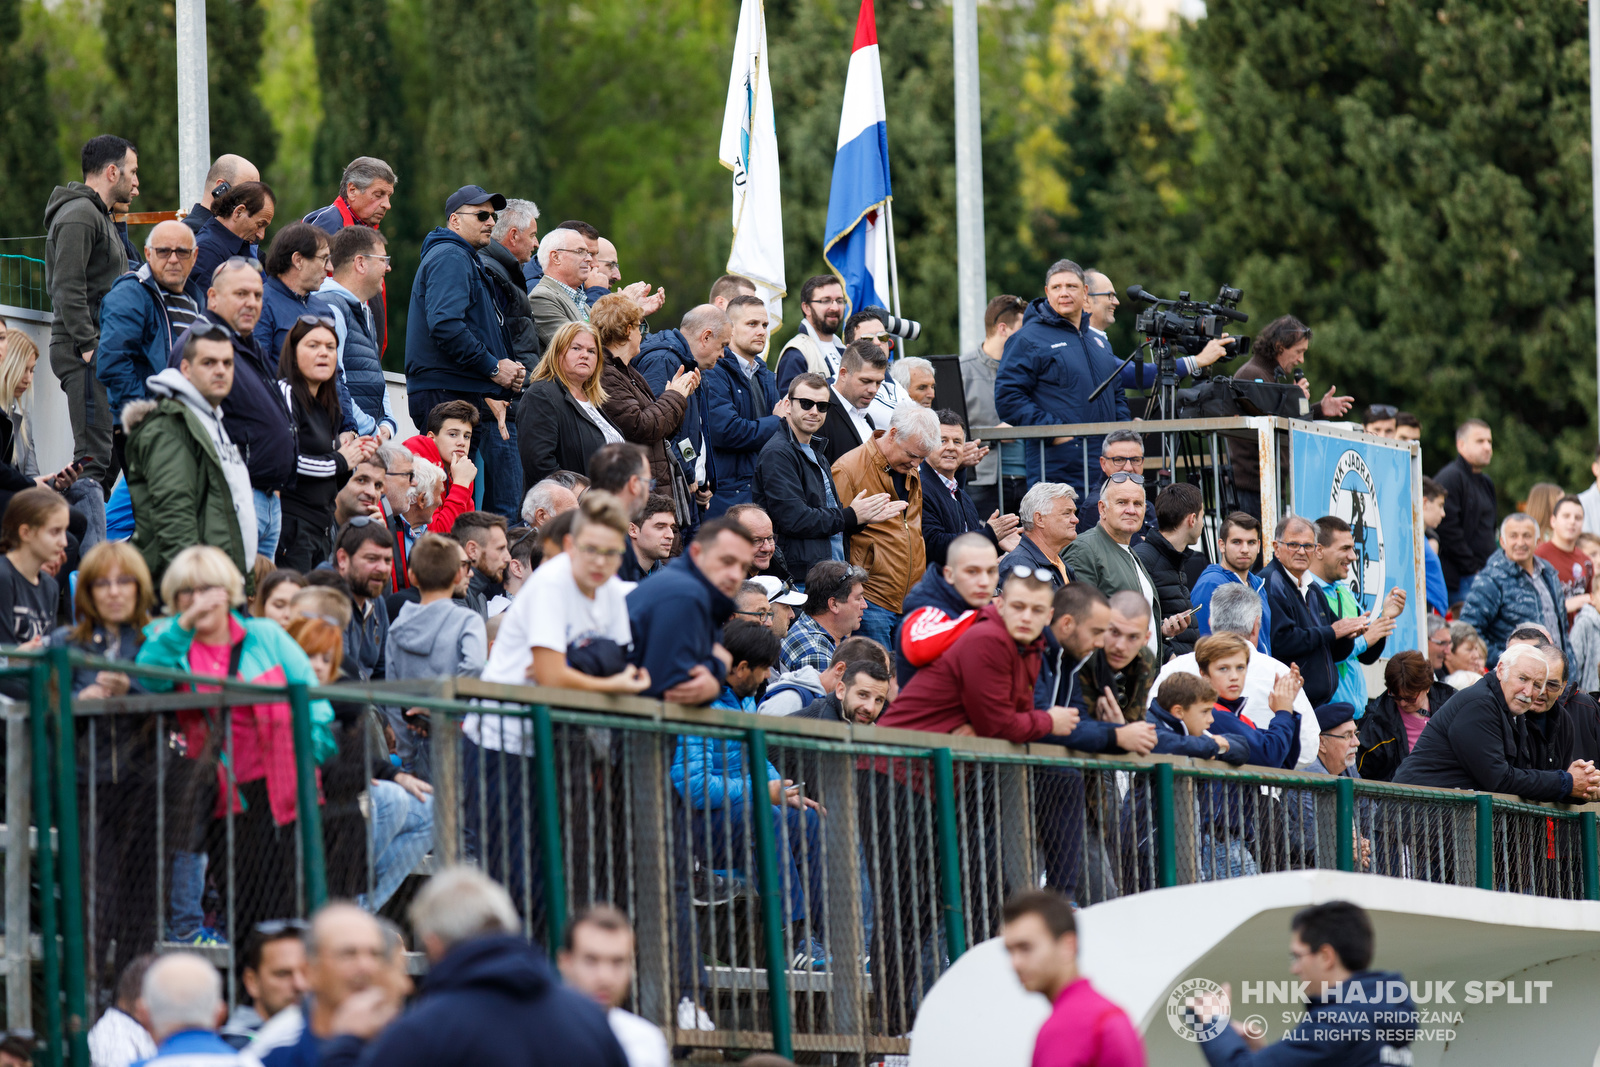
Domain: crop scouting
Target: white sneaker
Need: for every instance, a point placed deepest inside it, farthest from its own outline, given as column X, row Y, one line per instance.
column 692, row 1016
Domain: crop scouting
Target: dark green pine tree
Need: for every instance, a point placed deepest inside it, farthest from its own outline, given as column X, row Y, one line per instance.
column 29, row 164
column 142, row 53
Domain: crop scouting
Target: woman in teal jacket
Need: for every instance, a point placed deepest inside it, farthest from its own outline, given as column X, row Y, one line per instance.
column 247, row 768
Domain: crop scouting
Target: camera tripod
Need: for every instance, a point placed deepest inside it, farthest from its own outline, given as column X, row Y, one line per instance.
column 1161, row 404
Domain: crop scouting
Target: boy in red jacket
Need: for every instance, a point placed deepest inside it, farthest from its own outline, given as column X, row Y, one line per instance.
column 446, row 443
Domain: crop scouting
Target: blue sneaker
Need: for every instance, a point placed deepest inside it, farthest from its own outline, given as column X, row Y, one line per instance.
column 809, row 955
column 204, row 936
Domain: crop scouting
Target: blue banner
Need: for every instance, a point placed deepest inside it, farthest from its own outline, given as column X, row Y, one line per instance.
column 1369, row 486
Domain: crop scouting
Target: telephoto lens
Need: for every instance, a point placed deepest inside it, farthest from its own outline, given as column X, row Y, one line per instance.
column 910, row 329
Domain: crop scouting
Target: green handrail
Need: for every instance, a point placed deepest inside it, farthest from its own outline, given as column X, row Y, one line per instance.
column 944, row 788
column 310, row 815
column 72, row 932
column 38, row 721
column 555, row 882
column 1485, row 829
column 1166, row 828
column 1591, row 857
column 767, row 884
column 1345, row 819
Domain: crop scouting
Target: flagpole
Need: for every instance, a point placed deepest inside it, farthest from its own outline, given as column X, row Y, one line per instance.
column 894, row 268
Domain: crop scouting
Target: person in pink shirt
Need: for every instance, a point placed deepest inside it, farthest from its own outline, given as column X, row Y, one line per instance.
column 1084, row 1029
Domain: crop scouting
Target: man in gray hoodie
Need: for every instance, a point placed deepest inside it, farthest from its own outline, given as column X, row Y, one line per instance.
column 187, row 480
column 436, row 637
column 83, row 256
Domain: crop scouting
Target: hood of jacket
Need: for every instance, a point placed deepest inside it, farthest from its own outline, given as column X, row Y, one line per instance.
column 1039, row 310
column 62, row 195
column 423, row 629
column 443, row 235
column 932, row 589
column 669, row 339
column 499, row 963
column 800, row 678
column 169, row 383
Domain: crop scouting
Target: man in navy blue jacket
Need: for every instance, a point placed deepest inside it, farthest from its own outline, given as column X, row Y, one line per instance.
column 1301, row 619
column 143, row 314
column 697, row 344
column 947, row 510
column 741, row 404
column 455, row 349
column 677, row 615
column 1051, row 365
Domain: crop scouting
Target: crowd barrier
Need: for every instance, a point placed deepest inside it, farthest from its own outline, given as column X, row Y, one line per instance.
column 797, row 929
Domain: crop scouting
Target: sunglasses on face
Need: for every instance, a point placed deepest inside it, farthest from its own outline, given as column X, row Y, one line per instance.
column 481, row 216
column 807, row 404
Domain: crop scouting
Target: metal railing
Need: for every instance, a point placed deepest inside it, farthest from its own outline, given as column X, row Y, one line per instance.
column 791, row 927
column 22, row 283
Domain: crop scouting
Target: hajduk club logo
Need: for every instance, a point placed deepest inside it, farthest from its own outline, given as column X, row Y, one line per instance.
column 1198, row 1010
column 1354, row 498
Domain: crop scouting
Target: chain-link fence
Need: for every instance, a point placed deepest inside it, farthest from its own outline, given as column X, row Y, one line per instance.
column 794, row 885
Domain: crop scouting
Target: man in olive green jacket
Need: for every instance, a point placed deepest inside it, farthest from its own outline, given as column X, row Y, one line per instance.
column 188, row 482
column 1102, row 557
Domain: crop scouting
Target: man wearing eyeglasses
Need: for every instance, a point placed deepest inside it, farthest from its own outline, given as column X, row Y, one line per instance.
column 816, row 346
column 455, row 348
column 1304, row 629
column 1121, row 450
column 143, row 315
column 296, row 264
column 560, row 297
column 360, row 260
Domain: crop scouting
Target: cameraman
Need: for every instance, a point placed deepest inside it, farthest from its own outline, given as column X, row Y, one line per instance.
column 1279, row 349
column 1103, row 304
column 1051, row 365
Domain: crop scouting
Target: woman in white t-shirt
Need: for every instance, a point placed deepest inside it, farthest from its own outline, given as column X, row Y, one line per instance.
column 559, row 422
column 572, row 602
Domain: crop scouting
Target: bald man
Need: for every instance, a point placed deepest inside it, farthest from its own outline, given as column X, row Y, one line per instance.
column 229, row 170
column 145, row 313
column 182, row 999
column 697, row 344
column 346, row 954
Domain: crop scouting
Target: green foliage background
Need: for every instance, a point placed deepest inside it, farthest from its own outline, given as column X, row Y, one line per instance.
column 1410, row 178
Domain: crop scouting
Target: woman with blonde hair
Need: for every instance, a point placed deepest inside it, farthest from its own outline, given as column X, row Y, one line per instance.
column 559, row 421
column 19, row 464
column 240, row 762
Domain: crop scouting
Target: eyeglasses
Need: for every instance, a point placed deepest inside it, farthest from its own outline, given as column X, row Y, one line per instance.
column 768, row 540
column 1351, row 736
column 763, row 615
column 807, row 404
column 1383, row 411
column 1442, row 640
column 410, row 476
column 1130, row 461
column 211, row 331
column 364, row 255
column 609, row 264
column 196, row 590
column 599, row 553
column 314, row 320
column 832, row 301
column 171, row 253
column 122, row 581
column 1108, row 292
column 1126, row 476
column 1298, row 546
column 581, row 253
column 481, row 216
column 234, row 262
column 1038, row 573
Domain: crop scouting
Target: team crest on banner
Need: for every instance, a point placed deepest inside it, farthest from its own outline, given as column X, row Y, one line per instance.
column 1354, row 498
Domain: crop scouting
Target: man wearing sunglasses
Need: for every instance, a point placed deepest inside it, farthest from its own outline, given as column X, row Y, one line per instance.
column 794, row 484
column 143, row 315
column 455, row 348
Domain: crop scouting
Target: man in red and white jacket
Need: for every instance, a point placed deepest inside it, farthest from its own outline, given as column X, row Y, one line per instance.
column 946, row 601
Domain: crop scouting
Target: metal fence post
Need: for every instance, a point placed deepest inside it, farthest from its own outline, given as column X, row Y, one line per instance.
column 555, row 885
column 38, row 714
column 72, row 932
column 310, row 816
column 771, row 895
column 1344, row 818
column 1485, row 804
column 1166, row 828
column 19, row 876
column 1591, row 857
column 944, row 788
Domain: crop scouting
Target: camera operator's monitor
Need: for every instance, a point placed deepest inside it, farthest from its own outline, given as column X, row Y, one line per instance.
column 948, row 391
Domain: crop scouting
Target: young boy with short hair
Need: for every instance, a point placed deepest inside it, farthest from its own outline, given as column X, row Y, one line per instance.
column 448, row 442
column 1182, row 713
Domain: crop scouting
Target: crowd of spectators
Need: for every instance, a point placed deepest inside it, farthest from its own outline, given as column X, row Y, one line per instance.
column 595, row 504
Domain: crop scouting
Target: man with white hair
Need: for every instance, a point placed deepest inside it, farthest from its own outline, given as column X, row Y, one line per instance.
column 182, row 997
column 910, row 379
column 545, row 501
column 1049, row 514
column 1236, row 609
column 491, row 999
column 1478, row 740
column 1514, row 587
column 559, row 298
column 890, row 548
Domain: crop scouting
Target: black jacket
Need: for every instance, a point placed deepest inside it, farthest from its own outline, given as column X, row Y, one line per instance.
column 254, row 411
column 492, row 1001
column 1584, row 714
column 1302, row 632
column 838, row 429
column 1165, row 565
column 791, row 489
column 1474, row 742
column 1383, row 733
column 504, row 274
column 553, row 433
column 946, row 517
column 1467, row 533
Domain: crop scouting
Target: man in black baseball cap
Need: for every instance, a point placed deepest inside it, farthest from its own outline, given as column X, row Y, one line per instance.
column 454, row 346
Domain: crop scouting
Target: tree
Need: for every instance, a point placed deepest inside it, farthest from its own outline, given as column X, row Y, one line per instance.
column 29, row 167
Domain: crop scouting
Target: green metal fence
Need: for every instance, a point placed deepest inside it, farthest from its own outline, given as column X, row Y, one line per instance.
column 22, row 282
column 782, row 926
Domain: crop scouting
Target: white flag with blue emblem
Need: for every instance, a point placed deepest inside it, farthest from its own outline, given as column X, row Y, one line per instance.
column 749, row 148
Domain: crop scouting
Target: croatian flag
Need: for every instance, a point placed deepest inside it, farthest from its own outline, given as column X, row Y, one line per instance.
column 856, row 243
column 749, row 148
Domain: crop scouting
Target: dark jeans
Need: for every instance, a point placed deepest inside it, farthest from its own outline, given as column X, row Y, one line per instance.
column 89, row 411
column 303, row 545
